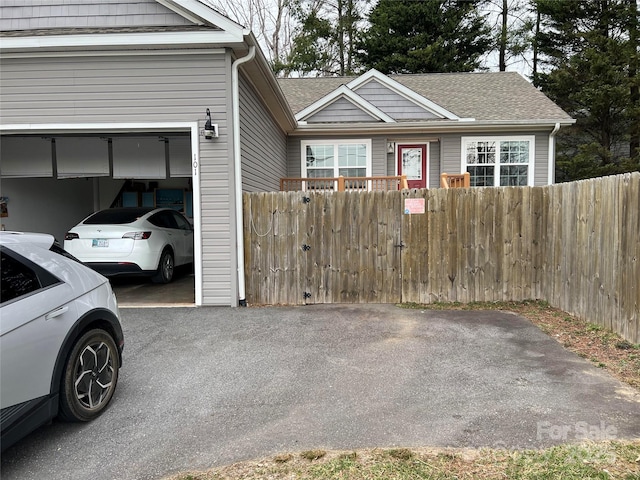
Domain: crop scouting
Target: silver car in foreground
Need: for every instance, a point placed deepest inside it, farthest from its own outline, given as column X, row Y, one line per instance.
column 60, row 336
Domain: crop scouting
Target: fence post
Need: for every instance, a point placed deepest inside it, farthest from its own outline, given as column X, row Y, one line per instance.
column 341, row 183
column 444, row 182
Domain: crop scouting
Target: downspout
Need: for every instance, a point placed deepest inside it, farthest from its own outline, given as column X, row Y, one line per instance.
column 552, row 154
column 237, row 170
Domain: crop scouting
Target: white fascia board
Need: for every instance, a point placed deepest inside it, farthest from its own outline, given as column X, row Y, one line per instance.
column 409, row 94
column 433, row 127
column 196, row 11
column 113, row 53
column 121, row 40
column 344, row 92
column 149, row 127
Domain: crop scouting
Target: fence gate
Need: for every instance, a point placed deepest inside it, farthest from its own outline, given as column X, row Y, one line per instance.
column 306, row 247
column 392, row 246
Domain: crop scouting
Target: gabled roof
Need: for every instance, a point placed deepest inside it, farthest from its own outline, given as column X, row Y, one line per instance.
column 369, row 94
column 484, row 97
column 374, row 76
column 115, row 24
column 344, row 92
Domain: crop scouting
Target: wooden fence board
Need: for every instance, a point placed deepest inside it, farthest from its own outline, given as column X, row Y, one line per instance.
column 629, row 318
column 414, row 244
column 576, row 245
column 389, row 231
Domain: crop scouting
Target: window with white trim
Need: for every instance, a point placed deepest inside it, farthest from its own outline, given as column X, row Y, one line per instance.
column 498, row 161
column 334, row 158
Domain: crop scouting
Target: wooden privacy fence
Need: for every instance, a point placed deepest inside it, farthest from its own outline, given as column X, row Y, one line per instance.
column 576, row 245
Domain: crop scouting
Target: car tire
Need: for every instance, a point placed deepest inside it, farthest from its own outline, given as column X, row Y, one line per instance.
column 90, row 377
column 166, row 266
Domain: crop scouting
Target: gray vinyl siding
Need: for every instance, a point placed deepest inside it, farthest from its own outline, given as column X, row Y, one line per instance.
column 294, row 162
column 263, row 144
column 434, row 165
column 141, row 89
column 392, row 103
column 135, row 88
column 342, row 110
column 34, row 14
column 452, row 155
column 542, row 159
column 379, row 156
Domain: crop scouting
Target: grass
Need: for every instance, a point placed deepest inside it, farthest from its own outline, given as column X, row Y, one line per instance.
column 584, row 461
column 605, row 460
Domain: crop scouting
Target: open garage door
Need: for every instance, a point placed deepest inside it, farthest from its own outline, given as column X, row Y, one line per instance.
column 51, row 181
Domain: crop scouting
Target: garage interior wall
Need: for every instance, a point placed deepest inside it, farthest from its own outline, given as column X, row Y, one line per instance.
column 46, row 205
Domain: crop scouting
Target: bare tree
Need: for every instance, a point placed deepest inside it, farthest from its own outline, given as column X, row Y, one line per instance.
column 269, row 20
column 513, row 23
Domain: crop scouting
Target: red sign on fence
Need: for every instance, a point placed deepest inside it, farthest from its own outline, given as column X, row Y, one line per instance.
column 413, row 206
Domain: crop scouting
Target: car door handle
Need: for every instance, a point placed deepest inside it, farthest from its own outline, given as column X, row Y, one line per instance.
column 56, row 313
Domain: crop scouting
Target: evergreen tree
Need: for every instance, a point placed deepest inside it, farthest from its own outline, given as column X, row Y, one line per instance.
column 590, row 48
column 324, row 43
column 418, row 36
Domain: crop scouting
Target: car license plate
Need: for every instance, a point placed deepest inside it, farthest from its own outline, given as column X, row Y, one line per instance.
column 100, row 242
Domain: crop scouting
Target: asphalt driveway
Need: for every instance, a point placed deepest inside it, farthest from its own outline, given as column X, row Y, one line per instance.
column 210, row 386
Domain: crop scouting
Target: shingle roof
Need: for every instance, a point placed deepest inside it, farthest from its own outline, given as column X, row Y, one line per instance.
column 499, row 96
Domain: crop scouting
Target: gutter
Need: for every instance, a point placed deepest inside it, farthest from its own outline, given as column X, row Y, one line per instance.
column 444, row 126
column 552, row 154
column 237, row 170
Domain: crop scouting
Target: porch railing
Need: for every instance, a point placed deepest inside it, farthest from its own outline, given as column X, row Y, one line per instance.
column 455, row 180
column 343, row 184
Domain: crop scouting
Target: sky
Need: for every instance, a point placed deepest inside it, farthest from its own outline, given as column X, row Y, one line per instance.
column 247, row 12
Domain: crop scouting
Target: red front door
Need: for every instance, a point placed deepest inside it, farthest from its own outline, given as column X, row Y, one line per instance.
column 412, row 162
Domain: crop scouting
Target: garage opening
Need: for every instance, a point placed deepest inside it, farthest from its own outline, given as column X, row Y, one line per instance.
column 51, row 182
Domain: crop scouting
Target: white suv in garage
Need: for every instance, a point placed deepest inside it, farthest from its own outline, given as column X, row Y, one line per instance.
column 133, row 241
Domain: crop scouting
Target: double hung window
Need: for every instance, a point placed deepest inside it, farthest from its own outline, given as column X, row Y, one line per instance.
column 498, row 161
column 347, row 158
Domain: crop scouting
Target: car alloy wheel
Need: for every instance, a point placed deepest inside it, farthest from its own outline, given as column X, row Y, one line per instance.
column 165, row 268
column 90, row 376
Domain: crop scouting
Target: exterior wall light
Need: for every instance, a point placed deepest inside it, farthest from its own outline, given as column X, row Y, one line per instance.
column 210, row 129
